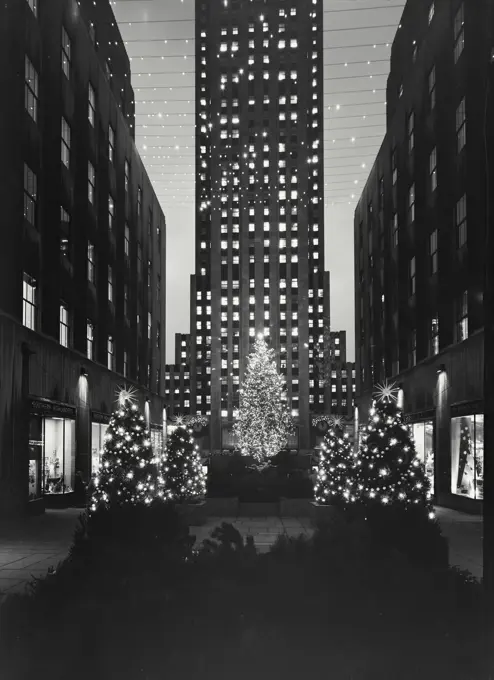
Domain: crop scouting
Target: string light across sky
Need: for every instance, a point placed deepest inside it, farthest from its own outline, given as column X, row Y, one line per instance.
column 159, row 36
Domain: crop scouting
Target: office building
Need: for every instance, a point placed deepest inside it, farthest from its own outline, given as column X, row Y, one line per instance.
column 82, row 249
column 259, row 204
column 420, row 242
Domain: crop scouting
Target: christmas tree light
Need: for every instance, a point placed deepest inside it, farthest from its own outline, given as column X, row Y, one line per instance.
column 128, row 472
column 182, row 470
column 387, row 469
column 335, row 468
column 264, row 421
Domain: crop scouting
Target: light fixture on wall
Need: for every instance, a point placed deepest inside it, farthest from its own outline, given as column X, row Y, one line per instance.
column 84, row 372
column 441, row 369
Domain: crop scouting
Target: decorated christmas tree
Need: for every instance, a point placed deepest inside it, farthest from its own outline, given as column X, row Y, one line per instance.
column 264, row 420
column 388, row 473
column 184, row 479
column 335, row 467
column 128, row 472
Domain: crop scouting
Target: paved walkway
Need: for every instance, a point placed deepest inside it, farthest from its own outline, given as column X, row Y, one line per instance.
column 30, row 547
column 264, row 530
column 464, row 534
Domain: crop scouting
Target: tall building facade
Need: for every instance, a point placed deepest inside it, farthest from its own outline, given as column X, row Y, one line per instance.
column 343, row 378
column 82, row 248
column 259, row 202
column 420, row 229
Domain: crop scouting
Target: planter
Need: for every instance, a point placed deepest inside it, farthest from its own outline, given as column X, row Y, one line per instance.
column 221, row 507
column 193, row 513
column 296, row 507
column 323, row 513
column 258, row 509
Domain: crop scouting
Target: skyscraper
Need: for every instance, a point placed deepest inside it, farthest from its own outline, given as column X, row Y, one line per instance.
column 259, row 203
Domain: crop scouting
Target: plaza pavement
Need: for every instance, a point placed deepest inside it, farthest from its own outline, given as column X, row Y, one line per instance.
column 31, row 546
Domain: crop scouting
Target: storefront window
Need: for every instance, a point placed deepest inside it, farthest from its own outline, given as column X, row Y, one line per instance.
column 98, row 431
column 35, row 456
column 467, row 456
column 59, row 455
column 423, row 436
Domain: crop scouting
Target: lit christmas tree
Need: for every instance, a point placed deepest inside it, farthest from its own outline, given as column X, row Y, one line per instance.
column 184, row 478
column 388, row 473
column 128, row 472
column 335, row 467
column 264, row 420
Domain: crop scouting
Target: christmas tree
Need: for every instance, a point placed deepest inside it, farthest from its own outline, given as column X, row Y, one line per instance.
column 388, row 473
column 128, row 473
column 264, row 421
column 182, row 467
column 335, row 468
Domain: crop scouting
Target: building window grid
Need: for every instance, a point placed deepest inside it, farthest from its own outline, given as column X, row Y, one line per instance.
column 30, row 195
column 461, row 125
column 66, row 53
column 66, row 140
column 64, row 333
column 461, row 222
column 91, row 112
column 29, row 302
column 459, row 32
column 31, row 91
column 90, row 340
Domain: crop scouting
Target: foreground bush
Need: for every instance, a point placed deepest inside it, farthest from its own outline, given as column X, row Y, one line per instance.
column 139, row 603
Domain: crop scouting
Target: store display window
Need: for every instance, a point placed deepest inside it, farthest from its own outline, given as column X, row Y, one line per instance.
column 467, row 456
column 423, row 436
column 98, row 431
column 35, row 457
column 58, row 455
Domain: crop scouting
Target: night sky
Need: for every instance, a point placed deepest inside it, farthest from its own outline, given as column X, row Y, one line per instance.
column 160, row 41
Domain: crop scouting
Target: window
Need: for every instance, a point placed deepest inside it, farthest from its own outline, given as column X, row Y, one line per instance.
column 150, row 325
column 64, row 325
column 432, row 88
column 65, row 232
column 111, row 144
column 462, row 317
column 461, row 132
column 411, row 204
column 110, row 284
column 111, row 214
column 413, row 347
column 31, row 90
column 461, row 222
column 91, row 108
column 29, row 301
column 126, row 364
column 139, row 201
column 412, row 277
column 433, row 169
column 65, row 143
column 91, row 263
column 459, row 32
column 90, row 340
column 30, row 195
column 467, row 456
column 395, row 230
column 411, row 131
column 127, row 241
column 126, row 175
column 66, row 53
column 433, row 252
column 431, row 11
column 91, row 182
column 434, row 336
column 33, row 4
column 110, row 350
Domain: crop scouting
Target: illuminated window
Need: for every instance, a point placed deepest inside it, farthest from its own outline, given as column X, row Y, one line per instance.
column 29, row 302
column 65, row 149
column 64, row 326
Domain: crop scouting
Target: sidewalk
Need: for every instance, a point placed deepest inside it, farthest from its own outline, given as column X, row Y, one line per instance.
column 464, row 534
column 29, row 547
